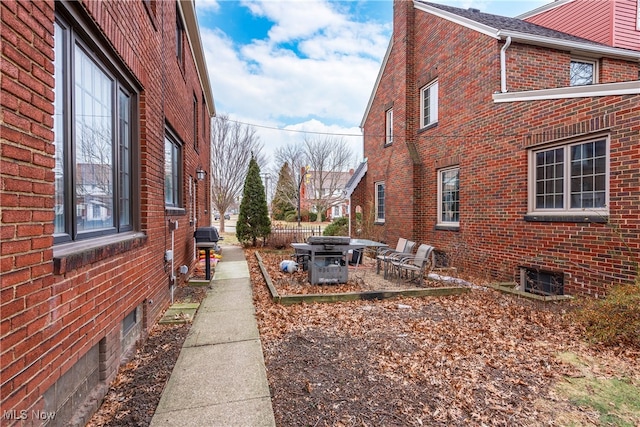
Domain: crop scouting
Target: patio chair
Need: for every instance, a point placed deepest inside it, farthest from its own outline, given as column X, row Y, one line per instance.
column 403, row 248
column 382, row 252
column 419, row 264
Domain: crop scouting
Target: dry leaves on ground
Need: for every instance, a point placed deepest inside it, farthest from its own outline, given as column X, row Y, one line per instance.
column 482, row 358
column 135, row 392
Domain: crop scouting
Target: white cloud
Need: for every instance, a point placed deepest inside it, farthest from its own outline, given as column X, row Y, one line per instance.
column 324, row 90
column 203, row 6
column 295, row 19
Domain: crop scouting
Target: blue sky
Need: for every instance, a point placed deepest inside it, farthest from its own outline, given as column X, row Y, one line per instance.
column 304, row 65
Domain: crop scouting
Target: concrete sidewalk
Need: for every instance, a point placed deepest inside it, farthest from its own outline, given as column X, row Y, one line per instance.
column 219, row 378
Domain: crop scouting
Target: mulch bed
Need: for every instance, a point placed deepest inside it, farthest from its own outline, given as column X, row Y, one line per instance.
column 482, row 358
column 135, row 393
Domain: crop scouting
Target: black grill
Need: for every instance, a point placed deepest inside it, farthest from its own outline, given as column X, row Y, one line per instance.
column 206, row 234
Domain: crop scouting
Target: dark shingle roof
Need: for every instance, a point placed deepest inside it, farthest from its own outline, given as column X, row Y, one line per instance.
column 510, row 24
column 355, row 179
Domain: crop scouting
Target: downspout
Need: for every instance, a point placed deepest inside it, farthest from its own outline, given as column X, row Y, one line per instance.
column 503, row 65
column 350, row 216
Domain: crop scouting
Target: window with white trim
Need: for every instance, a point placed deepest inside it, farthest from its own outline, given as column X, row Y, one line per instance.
column 583, row 72
column 429, row 104
column 94, row 140
column 172, row 171
column 388, row 133
column 379, row 201
column 570, row 179
column 449, row 197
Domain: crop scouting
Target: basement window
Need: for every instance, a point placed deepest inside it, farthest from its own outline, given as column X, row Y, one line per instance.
column 542, row 282
column 129, row 321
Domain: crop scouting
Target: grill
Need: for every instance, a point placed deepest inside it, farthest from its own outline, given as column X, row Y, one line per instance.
column 207, row 238
column 324, row 257
column 206, row 235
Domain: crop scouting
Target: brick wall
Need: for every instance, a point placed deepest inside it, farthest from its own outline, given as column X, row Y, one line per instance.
column 490, row 143
column 59, row 302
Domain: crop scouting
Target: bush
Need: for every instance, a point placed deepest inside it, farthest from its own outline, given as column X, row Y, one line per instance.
column 614, row 320
column 338, row 227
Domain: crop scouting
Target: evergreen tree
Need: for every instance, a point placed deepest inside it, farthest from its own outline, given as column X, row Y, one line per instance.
column 286, row 194
column 253, row 220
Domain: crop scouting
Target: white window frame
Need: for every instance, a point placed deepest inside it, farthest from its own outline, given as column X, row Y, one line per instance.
column 593, row 63
column 431, row 91
column 172, row 171
column 379, row 209
column 638, row 16
column 566, row 209
column 441, row 194
column 388, row 137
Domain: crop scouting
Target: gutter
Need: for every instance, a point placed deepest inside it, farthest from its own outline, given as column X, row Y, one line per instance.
column 571, row 92
column 586, row 49
column 187, row 8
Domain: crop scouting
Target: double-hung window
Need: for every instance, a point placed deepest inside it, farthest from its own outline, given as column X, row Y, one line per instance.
column 583, row 72
column 379, row 201
column 449, row 197
column 93, row 137
column 172, row 170
column 388, row 137
column 570, row 179
column 429, row 104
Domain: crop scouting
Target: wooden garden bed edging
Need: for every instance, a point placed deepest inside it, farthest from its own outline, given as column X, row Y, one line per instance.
column 272, row 289
column 353, row 296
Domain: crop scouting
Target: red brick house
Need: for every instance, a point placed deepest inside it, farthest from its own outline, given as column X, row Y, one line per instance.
column 487, row 138
column 105, row 125
column 615, row 23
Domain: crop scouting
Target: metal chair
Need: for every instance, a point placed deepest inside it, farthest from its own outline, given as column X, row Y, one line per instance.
column 421, row 264
column 392, row 257
column 383, row 252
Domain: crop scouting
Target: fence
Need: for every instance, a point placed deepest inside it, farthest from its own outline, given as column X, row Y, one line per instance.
column 283, row 236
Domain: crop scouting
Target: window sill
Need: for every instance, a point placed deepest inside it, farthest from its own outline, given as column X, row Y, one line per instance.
column 447, row 227
column 175, row 211
column 427, row 127
column 70, row 256
column 597, row 219
column 378, row 222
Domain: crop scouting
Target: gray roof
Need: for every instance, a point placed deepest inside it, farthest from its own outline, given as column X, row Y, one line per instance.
column 355, row 179
column 510, row 24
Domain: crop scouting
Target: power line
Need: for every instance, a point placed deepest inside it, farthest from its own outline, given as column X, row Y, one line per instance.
column 492, row 135
column 294, row 130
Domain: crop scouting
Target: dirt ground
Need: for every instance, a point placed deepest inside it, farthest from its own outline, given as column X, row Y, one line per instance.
column 482, row 358
column 135, row 393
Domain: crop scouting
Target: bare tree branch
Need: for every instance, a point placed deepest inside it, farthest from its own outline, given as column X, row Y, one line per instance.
column 232, row 145
column 328, row 159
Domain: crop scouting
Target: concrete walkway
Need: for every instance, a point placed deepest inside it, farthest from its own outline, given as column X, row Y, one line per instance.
column 219, row 378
